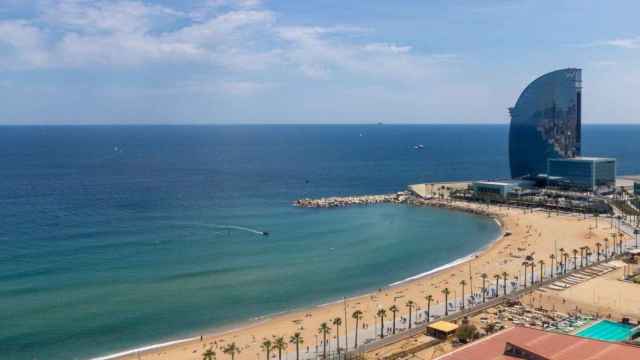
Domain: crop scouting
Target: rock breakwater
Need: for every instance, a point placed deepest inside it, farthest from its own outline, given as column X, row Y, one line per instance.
column 404, row 197
column 344, row 201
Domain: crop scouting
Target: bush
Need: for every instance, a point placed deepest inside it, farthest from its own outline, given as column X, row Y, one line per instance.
column 466, row 332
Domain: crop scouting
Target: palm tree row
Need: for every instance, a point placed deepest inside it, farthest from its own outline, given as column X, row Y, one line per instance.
column 279, row 344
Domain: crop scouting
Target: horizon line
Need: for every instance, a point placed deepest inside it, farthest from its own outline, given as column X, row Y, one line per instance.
column 285, row 124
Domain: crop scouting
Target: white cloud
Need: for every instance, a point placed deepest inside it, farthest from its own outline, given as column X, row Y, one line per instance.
column 76, row 33
column 623, row 43
column 223, row 27
column 387, row 48
column 244, row 88
column 106, row 16
column 238, row 39
column 318, row 52
column 234, row 3
column 628, row 43
column 22, row 45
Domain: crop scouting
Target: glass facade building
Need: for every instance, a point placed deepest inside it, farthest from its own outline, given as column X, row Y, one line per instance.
column 584, row 173
column 494, row 190
column 546, row 122
column 636, row 188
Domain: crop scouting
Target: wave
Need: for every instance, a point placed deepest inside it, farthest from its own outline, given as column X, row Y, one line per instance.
column 222, row 227
column 144, row 348
column 254, row 322
column 438, row 269
column 454, row 262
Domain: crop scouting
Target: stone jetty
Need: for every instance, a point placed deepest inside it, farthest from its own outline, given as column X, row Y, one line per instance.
column 403, row 197
column 336, row 201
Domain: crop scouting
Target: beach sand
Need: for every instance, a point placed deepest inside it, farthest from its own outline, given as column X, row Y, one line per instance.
column 606, row 296
column 531, row 233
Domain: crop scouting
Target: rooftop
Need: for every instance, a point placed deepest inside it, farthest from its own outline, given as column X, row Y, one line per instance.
column 543, row 344
column 585, row 158
column 514, row 182
column 444, row 326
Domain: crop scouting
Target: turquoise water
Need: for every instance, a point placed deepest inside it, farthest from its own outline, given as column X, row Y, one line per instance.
column 115, row 237
column 607, row 331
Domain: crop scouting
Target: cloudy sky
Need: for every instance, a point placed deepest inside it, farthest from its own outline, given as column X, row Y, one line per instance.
column 320, row 61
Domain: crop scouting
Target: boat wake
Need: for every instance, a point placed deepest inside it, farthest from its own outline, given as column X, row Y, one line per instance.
column 224, row 227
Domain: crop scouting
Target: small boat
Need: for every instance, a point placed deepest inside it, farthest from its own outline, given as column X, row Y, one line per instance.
column 265, row 233
column 419, row 147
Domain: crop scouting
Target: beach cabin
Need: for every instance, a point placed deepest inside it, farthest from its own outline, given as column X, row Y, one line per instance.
column 441, row 329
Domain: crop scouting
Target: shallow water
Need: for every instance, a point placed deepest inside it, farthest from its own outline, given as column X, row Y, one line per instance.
column 117, row 237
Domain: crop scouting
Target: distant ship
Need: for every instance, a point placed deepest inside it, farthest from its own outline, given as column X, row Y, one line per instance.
column 419, row 147
column 265, row 233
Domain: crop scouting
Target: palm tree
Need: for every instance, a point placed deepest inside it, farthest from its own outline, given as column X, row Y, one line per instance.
column 541, row 262
column 394, row 309
column 484, row 279
column 357, row 315
column 337, row 322
column 463, row 284
column 209, row 355
column 566, row 258
column 324, row 330
column 504, row 282
column 267, row 346
column 280, row 345
column 533, row 268
column 429, row 299
column 410, row 304
column 446, row 293
column 614, row 236
column 525, row 265
column 297, row 339
column 381, row 314
column 606, row 248
column 581, row 256
column 596, row 216
column 620, row 244
column 598, row 245
column 575, row 258
column 231, row 350
column 552, row 258
column 587, row 252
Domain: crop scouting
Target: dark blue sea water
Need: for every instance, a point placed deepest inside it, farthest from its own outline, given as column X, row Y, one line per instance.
column 113, row 237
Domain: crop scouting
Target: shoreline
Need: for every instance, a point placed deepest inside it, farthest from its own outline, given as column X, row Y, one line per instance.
column 530, row 233
column 260, row 320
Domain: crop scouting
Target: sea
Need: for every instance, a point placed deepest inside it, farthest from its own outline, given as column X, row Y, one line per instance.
column 118, row 237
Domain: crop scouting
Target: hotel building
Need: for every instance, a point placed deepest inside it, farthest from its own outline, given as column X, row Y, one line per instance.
column 546, row 122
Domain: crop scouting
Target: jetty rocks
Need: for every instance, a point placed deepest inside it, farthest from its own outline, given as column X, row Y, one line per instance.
column 337, row 201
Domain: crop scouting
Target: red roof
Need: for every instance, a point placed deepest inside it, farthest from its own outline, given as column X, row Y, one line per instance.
column 546, row 344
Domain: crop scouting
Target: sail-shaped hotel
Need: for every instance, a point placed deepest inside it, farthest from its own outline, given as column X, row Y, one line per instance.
column 546, row 123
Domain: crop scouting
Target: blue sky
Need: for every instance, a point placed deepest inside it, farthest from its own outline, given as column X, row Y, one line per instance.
column 261, row 61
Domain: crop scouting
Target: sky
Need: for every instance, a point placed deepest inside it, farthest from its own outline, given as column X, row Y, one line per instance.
column 320, row 61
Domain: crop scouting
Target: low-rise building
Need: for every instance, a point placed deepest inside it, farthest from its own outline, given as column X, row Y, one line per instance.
column 441, row 329
column 531, row 344
column 583, row 173
column 499, row 189
column 636, row 188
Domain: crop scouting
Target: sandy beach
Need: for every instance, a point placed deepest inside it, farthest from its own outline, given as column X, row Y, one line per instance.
column 524, row 233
